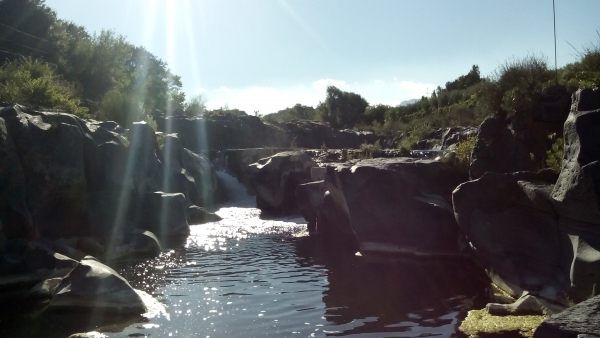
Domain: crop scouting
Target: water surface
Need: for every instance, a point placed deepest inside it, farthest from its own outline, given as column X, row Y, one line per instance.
column 248, row 276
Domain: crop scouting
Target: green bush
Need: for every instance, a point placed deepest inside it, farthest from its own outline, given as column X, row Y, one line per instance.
column 34, row 82
column 121, row 108
column 196, row 106
column 414, row 135
column 554, row 156
column 516, row 85
column 464, row 151
column 368, row 150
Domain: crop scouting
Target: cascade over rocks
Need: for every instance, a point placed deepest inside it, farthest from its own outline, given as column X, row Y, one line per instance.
column 399, row 205
column 532, row 235
column 275, row 179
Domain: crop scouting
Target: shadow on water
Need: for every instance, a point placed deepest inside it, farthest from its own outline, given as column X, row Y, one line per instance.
column 392, row 294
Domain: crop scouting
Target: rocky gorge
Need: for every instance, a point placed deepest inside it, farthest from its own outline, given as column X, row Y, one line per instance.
column 78, row 196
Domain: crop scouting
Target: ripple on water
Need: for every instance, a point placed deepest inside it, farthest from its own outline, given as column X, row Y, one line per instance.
column 251, row 276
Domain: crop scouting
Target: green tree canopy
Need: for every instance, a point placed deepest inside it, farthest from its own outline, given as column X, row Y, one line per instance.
column 342, row 109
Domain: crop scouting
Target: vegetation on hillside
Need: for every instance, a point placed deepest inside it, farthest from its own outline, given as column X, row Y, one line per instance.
column 55, row 63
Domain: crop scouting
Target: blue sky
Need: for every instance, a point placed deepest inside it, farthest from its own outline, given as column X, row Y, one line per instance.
column 266, row 55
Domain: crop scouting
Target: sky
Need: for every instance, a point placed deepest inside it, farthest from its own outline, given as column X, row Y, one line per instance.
column 267, row 55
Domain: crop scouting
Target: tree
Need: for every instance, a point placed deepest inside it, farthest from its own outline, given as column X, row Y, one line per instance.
column 196, row 106
column 342, row 109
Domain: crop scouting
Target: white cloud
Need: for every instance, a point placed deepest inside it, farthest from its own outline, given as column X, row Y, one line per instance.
column 324, row 83
column 269, row 100
column 263, row 99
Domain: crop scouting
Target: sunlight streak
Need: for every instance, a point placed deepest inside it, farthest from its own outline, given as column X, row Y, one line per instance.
column 307, row 29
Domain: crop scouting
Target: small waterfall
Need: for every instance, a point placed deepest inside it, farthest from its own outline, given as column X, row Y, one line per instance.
column 235, row 192
column 220, row 161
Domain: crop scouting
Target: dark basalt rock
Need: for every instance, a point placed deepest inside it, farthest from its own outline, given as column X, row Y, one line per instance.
column 518, row 142
column 581, row 320
column 309, row 198
column 198, row 215
column 533, row 235
column 92, row 285
column 275, row 179
column 392, row 205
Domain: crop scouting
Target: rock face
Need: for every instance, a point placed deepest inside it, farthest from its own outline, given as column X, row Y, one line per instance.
column 394, row 205
column 536, row 236
column 313, row 135
column 223, row 132
column 309, row 198
column 51, row 154
column 236, row 162
column 62, row 176
column 244, row 132
column 275, row 179
column 455, row 135
column 94, row 286
column 582, row 320
column 518, row 142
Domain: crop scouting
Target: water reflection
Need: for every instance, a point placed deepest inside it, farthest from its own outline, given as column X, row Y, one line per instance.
column 247, row 276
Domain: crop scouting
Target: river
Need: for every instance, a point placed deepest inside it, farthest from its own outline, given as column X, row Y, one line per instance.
column 247, row 276
column 253, row 276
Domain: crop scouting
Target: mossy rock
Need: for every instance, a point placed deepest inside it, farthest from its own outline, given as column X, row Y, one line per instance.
column 480, row 324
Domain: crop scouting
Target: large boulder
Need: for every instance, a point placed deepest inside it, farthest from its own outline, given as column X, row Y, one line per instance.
column 236, row 162
column 51, row 155
column 144, row 170
column 222, row 132
column 455, row 135
column 163, row 214
column 275, row 179
column 518, row 141
column 188, row 173
column 399, row 205
column 581, row 320
column 314, row 135
column 309, row 198
column 13, row 204
column 532, row 235
column 93, row 286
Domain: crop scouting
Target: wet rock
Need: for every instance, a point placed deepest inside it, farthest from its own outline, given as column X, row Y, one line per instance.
column 164, row 215
column 13, row 289
column 199, row 171
column 275, row 179
column 393, row 205
column 94, row 286
column 527, row 305
column 575, row 322
column 198, row 215
column 137, row 245
column 236, row 162
column 309, row 198
column 89, row 246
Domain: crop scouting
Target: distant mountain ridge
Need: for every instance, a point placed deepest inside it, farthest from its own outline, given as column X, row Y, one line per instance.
column 407, row 102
